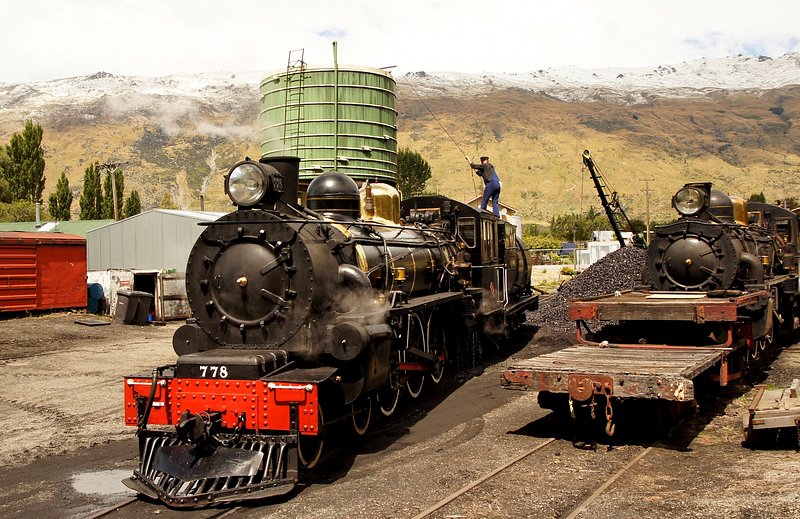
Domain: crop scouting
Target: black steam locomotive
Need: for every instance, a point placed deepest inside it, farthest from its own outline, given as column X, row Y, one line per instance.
column 727, row 247
column 309, row 314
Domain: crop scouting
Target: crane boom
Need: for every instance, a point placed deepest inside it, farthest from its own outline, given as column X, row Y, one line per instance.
column 616, row 216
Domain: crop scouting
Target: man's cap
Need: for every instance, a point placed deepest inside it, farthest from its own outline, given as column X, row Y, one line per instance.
column 484, row 158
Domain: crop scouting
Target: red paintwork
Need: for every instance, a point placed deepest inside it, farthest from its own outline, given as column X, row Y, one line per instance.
column 267, row 405
column 40, row 271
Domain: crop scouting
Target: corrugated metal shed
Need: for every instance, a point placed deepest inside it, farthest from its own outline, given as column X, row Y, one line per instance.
column 77, row 227
column 158, row 239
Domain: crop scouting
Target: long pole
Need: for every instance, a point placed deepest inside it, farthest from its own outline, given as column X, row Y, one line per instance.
column 112, row 168
column 647, row 211
column 335, row 107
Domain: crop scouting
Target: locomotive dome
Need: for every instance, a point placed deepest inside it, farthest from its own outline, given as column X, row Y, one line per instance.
column 721, row 206
column 334, row 194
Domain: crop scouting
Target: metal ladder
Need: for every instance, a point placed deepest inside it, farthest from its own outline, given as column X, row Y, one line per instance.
column 293, row 101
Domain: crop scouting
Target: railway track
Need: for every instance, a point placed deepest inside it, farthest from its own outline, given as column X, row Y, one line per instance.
column 134, row 507
column 467, row 500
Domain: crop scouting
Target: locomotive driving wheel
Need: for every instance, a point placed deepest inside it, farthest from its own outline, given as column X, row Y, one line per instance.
column 309, row 448
column 387, row 399
column 436, row 346
column 361, row 414
column 415, row 338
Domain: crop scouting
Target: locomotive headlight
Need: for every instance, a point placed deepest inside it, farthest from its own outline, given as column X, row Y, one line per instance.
column 246, row 184
column 689, row 201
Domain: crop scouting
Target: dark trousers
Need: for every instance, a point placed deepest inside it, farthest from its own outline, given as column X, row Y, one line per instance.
column 492, row 190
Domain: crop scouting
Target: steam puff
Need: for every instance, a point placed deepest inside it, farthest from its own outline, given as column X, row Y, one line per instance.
column 176, row 116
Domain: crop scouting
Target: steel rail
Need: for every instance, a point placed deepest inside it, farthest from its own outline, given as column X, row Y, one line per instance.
column 113, row 508
column 580, row 508
column 463, row 490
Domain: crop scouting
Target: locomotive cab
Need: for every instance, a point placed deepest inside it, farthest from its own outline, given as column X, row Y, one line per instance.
column 499, row 272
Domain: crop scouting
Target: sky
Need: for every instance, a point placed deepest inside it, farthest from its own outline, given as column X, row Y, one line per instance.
column 46, row 39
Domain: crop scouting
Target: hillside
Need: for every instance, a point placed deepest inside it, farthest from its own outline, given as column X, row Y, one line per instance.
column 744, row 142
column 729, row 121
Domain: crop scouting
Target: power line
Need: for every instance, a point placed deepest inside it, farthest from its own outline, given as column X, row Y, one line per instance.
column 474, row 187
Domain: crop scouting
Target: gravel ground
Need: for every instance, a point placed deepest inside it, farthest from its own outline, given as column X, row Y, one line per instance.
column 60, row 404
column 61, row 382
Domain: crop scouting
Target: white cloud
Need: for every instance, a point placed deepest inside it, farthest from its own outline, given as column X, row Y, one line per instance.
column 47, row 40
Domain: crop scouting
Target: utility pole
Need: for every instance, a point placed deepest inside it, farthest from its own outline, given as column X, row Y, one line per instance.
column 112, row 166
column 647, row 211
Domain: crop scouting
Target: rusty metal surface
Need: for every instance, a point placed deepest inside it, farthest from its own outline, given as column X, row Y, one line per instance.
column 582, row 387
column 641, row 373
column 673, row 306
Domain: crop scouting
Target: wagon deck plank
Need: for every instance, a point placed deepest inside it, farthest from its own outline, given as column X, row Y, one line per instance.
column 669, row 306
column 634, row 372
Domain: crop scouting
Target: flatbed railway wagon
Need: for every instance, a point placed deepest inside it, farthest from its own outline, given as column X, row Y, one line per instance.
column 641, row 370
column 718, row 284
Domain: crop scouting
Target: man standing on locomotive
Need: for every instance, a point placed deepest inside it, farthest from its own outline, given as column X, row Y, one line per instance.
column 486, row 171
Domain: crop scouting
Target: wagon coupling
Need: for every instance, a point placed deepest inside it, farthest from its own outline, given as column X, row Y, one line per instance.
column 582, row 387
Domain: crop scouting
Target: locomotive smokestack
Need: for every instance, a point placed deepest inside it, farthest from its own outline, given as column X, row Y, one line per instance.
column 289, row 167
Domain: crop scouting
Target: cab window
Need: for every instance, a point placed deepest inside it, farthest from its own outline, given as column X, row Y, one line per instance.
column 466, row 231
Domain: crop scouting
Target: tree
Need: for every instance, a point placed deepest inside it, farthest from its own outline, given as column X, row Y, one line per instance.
column 541, row 241
column 23, row 164
column 167, row 202
column 108, row 195
column 91, row 200
column 133, row 205
column 18, row 211
column 412, row 172
column 579, row 227
column 757, row 197
column 6, row 196
column 60, row 201
column 5, row 191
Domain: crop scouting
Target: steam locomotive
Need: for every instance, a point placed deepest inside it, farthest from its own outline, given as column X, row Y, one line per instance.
column 718, row 284
column 726, row 247
column 309, row 314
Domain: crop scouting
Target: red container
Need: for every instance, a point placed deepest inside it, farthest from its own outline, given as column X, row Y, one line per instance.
column 40, row 271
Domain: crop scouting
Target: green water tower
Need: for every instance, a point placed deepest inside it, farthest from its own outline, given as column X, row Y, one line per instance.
column 333, row 118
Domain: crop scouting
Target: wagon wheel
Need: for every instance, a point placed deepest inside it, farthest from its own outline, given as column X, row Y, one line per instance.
column 436, row 345
column 415, row 338
column 361, row 414
column 309, row 448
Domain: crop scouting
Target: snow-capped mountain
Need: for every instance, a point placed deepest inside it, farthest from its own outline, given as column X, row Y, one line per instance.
column 731, row 121
column 629, row 85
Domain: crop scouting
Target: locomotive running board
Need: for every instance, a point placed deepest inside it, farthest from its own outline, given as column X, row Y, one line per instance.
column 634, row 372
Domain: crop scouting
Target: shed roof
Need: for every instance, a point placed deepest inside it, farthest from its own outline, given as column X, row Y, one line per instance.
column 79, row 227
column 38, row 238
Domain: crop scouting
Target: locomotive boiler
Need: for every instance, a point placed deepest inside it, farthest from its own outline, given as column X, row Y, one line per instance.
column 308, row 314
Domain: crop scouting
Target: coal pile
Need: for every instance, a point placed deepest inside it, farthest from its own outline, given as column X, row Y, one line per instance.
column 620, row 270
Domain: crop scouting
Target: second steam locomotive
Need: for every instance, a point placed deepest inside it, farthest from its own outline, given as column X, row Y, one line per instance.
column 309, row 314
